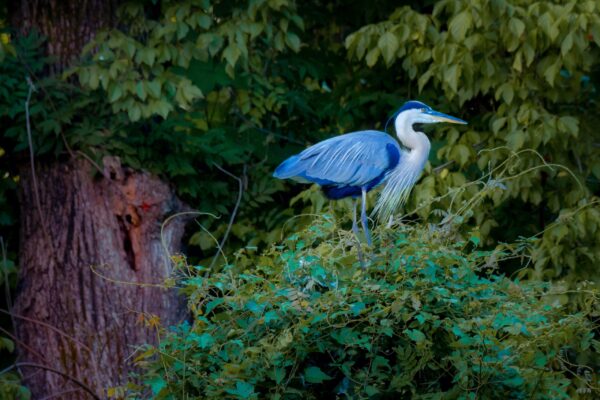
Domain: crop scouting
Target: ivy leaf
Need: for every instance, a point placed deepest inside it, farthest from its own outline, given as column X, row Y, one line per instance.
column 157, row 384
column 205, row 340
column 243, row 390
column 415, row 335
column 315, row 375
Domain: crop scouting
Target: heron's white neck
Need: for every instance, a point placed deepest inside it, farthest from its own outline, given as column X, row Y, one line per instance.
column 416, row 142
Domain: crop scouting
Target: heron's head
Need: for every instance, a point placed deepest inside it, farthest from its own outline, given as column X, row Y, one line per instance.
column 415, row 112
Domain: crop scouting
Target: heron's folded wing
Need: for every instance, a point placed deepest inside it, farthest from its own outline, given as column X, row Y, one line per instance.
column 354, row 159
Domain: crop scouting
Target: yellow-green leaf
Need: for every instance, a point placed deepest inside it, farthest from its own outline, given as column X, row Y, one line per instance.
column 388, row 44
column 460, row 24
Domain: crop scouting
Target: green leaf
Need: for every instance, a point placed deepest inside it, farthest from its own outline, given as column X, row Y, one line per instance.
column 460, row 153
column 372, row 56
column 552, row 71
column 205, row 340
column 571, row 125
column 293, row 41
column 140, row 90
column 114, row 92
column 134, row 112
column 451, row 76
column 232, row 54
column 315, row 375
column 7, row 344
column 515, row 140
column 243, row 390
column 516, row 26
column 460, row 24
column 498, row 124
column 508, row 93
column 163, row 108
column 548, row 26
column 567, row 44
column 415, row 335
column 204, row 21
column 153, row 88
column 388, row 44
column 423, row 79
column 157, row 384
column 596, row 33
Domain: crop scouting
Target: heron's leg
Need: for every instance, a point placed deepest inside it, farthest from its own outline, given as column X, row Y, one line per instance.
column 361, row 257
column 354, row 223
column 363, row 217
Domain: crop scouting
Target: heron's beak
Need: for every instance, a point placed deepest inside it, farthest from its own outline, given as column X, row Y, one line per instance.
column 441, row 117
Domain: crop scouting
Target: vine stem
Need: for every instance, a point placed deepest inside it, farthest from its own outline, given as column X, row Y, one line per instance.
column 233, row 213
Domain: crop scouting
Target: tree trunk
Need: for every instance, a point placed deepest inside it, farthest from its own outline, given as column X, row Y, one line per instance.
column 92, row 263
column 67, row 25
column 92, row 273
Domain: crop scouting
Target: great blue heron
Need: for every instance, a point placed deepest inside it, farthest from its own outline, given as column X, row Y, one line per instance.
column 352, row 164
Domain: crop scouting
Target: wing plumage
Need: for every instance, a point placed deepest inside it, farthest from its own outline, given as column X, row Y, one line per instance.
column 345, row 163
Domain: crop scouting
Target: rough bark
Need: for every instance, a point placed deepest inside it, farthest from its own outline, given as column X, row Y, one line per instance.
column 89, row 270
column 68, row 25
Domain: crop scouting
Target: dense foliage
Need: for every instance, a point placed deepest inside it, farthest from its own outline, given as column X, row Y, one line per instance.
column 185, row 88
column 196, row 85
column 528, row 68
column 428, row 318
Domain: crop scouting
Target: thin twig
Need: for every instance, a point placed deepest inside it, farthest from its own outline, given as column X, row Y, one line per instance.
column 444, row 165
column 9, row 302
column 235, row 209
column 23, row 344
column 58, row 372
column 6, row 284
column 94, row 163
column 52, row 328
column 170, row 218
column 36, row 191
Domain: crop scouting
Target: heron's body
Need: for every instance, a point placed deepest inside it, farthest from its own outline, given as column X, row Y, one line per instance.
column 352, row 164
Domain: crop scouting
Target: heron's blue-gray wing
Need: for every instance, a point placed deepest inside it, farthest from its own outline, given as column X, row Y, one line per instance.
column 355, row 159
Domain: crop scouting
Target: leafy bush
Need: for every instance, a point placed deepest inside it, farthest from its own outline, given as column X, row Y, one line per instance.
column 426, row 318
